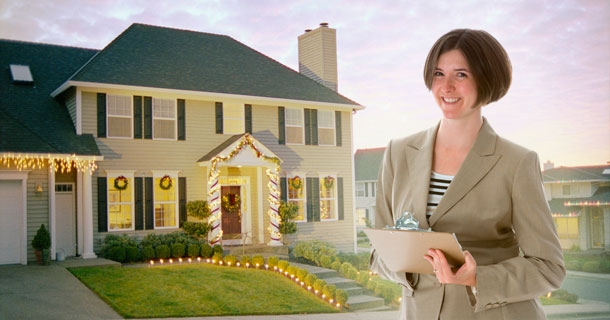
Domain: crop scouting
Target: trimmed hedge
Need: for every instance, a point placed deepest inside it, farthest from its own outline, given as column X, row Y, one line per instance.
column 162, row 251
column 178, row 250
column 193, row 250
column 272, row 262
column 258, row 260
column 148, row 253
column 132, row 254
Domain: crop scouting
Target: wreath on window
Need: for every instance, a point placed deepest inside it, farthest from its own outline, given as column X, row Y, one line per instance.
column 166, row 182
column 120, row 183
column 231, row 202
column 296, row 183
column 328, row 182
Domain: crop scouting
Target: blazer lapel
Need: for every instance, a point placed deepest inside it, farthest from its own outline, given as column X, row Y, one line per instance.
column 419, row 160
column 476, row 165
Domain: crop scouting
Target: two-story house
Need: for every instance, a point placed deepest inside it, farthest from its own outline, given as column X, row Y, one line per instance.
column 366, row 170
column 117, row 141
column 579, row 198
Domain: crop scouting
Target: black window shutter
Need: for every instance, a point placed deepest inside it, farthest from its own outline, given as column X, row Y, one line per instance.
column 308, row 126
column 139, row 190
column 281, row 123
column 314, row 127
column 248, row 114
column 366, row 189
column 181, row 119
column 338, row 128
column 101, row 115
column 102, row 204
column 340, row 196
column 309, row 205
column 137, row 117
column 182, row 199
column 283, row 189
column 219, row 117
column 148, row 203
column 315, row 203
column 148, row 121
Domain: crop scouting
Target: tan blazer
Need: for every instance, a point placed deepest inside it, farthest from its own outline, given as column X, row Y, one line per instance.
column 496, row 207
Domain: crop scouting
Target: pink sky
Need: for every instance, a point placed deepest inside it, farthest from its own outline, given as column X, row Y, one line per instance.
column 558, row 105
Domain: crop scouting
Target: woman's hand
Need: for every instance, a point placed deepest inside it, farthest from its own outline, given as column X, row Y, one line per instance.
column 465, row 275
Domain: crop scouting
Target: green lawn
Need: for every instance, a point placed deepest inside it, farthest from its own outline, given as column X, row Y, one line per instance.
column 198, row 290
column 552, row 301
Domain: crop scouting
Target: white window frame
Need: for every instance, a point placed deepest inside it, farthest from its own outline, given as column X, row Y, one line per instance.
column 117, row 116
column 333, row 127
column 175, row 119
column 129, row 174
column 302, row 126
column 302, row 176
column 174, row 176
column 360, row 189
column 336, row 196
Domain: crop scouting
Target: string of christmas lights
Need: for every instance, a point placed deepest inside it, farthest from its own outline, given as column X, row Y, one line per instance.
column 58, row 163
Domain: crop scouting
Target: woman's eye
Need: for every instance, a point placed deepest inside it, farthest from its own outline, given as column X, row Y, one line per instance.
column 438, row 74
column 462, row 75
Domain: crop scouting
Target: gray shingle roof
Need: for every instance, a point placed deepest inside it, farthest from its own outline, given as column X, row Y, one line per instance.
column 31, row 121
column 367, row 163
column 159, row 57
column 568, row 174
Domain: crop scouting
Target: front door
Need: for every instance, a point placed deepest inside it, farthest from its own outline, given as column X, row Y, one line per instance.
column 65, row 217
column 597, row 228
column 231, row 211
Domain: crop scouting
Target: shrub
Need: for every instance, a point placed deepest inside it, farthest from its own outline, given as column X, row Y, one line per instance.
column 258, row 260
column 341, row 296
column 310, row 279
column 217, row 249
column 282, row 265
column 193, row 250
column 198, row 209
column 372, row 283
column 132, row 254
column 148, row 253
column 319, row 285
column 230, row 260
column 178, row 250
column 352, row 273
column 573, row 265
column 272, row 262
column 325, row 261
column 345, row 266
column 363, row 278
column 245, row 260
column 287, row 212
column 162, row 251
column 117, row 254
column 336, row 265
column 112, row 240
column 591, row 266
column 565, row 295
column 42, row 239
column 196, row 230
column 360, row 261
column 292, row 270
column 329, row 290
column 217, row 257
column 302, row 273
column 206, row 250
column 388, row 294
column 310, row 251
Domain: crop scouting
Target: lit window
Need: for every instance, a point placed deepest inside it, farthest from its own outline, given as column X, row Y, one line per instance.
column 296, row 194
column 326, row 128
column 120, row 201
column 166, row 200
column 567, row 227
column 362, row 218
column 233, row 118
column 164, row 118
column 120, row 112
column 328, row 197
column 294, row 126
column 360, row 189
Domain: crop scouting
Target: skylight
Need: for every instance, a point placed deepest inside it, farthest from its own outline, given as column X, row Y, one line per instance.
column 21, row 73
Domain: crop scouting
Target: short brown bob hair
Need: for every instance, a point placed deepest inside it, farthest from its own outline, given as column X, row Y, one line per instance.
column 489, row 64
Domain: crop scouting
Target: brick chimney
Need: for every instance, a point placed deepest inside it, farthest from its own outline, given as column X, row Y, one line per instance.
column 548, row 165
column 318, row 55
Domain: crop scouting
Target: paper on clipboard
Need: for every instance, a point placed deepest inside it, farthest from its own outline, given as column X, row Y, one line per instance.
column 404, row 250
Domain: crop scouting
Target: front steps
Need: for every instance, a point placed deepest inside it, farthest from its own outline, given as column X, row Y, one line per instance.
column 360, row 299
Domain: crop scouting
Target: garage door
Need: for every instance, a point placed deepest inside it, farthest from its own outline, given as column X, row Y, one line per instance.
column 10, row 221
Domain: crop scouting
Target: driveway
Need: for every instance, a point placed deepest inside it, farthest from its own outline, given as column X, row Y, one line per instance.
column 48, row 292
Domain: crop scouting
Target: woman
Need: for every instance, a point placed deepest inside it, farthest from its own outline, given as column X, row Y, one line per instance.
column 461, row 177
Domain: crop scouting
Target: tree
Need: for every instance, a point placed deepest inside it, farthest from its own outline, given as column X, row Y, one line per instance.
column 288, row 211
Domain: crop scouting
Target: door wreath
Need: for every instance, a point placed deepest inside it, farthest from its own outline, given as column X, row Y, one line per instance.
column 231, row 202
column 120, row 183
column 166, row 182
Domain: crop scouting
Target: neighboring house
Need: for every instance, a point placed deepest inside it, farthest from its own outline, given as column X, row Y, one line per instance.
column 366, row 163
column 579, row 198
column 117, row 141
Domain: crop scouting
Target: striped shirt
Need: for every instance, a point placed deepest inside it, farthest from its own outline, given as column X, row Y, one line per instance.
column 438, row 186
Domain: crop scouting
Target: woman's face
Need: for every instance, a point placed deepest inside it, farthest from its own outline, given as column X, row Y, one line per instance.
column 453, row 86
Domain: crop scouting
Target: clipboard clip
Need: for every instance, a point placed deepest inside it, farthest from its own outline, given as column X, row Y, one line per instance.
column 407, row 222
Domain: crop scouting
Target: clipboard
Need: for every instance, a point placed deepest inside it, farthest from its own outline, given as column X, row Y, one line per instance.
column 404, row 250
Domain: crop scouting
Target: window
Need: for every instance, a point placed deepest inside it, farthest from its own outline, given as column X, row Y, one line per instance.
column 166, row 200
column 362, row 218
column 296, row 194
column 164, row 119
column 359, row 189
column 294, row 126
column 233, row 118
column 328, row 197
column 120, row 201
column 567, row 227
column 326, row 128
column 120, row 113
column 566, row 190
